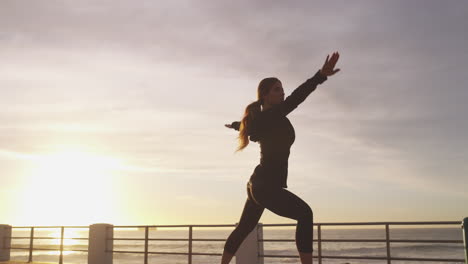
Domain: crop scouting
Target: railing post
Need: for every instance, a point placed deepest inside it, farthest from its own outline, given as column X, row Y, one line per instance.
column 250, row 249
column 387, row 237
column 146, row 243
column 319, row 240
column 190, row 244
column 31, row 245
column 100, row 244
column 465, row 237
column 62, row 233
column 5, row 242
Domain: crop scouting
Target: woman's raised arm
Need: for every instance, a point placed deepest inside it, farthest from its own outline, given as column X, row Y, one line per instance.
column 300, row 93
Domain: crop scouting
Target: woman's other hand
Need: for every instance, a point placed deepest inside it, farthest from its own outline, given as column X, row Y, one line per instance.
column 234, row 125
column 328, row 68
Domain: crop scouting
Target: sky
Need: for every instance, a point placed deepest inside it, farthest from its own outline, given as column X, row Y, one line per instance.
column 114, row 111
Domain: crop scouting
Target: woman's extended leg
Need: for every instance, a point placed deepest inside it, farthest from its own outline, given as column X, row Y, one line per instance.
column 284, row 203
column 249, row 219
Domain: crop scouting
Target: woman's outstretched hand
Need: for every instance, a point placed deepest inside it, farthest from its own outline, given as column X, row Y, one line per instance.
column 234, row 125
column 328, row 68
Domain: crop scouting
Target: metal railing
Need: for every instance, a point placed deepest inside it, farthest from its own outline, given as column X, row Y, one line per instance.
column 320, row 241
column 388, row 241
column 32, row 237
column 190, row 241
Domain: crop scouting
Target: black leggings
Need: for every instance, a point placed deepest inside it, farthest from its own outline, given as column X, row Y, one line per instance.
column 281, row 202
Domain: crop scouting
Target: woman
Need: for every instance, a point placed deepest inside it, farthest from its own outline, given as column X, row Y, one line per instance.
column 265, row 122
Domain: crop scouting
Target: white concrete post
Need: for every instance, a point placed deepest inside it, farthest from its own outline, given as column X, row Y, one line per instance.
column 251, row 248
column 5, row 242
column 99, row 245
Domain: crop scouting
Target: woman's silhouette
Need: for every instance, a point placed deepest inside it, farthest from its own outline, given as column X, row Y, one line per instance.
column 265, row 122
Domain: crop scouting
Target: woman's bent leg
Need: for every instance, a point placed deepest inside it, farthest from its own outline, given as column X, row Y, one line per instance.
column 249, row 219
column 284, row 203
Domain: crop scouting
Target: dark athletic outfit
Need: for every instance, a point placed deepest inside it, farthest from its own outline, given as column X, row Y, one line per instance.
column 266, row 187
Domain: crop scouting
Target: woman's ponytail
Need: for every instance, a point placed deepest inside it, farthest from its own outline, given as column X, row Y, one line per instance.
column 251, row 111
column 254, row 109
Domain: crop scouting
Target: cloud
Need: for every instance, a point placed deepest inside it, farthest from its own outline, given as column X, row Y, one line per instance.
column 156, row 81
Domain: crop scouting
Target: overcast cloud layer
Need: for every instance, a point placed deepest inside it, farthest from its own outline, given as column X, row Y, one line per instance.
column 154, row 83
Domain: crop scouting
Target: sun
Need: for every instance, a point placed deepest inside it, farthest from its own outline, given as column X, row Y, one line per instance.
column 70, row 187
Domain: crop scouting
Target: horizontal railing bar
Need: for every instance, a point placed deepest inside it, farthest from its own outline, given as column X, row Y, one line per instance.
column 128, row 252
column 340, row 257
column 74, row 238
column 429, row 259
column 47, row 237
column 158, row 239
column 58, row 249
column 168, row 239
column 398, row 223
column 18, row 248
column 169, row 226
column 136, row 239
column 207, row 254
column 370, row 240
column 364, row 257
column 355, row 257
column 292, row 240
column 76, row 250
column 50, row 227
column 153, row 226
column 374, row 223
column 49, row 249
column 209, row 239
column 264, row 240
column 279, row 256
column 268, row 225
column 231, row 225
column 277, row 240
column 395, row 258
column 325, row 240
column 42, row 245
column 425, row 241
column 293, row 256
column 166, row 253
column 141, row 252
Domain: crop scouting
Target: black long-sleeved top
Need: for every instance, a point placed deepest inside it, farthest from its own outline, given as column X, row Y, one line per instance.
column 272, row 129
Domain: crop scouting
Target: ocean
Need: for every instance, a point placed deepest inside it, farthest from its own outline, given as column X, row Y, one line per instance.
column 374, row 249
